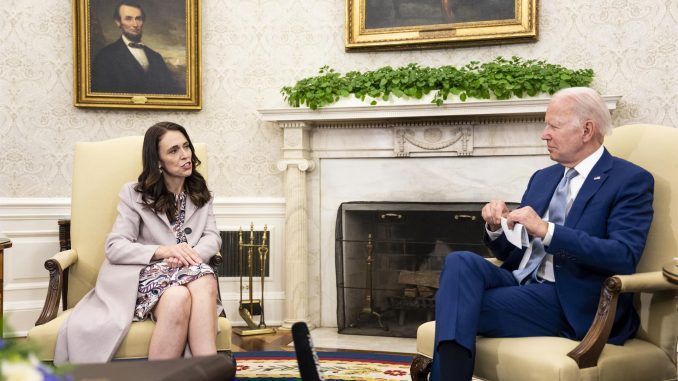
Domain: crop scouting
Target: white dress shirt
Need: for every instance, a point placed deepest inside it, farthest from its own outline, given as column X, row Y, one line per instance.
column 583, row 168
column 138, row 53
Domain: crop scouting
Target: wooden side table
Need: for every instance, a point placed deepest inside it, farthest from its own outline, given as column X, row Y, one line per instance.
column 5, row 243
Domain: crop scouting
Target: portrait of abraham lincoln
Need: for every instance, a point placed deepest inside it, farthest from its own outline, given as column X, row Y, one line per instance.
column 138, row 47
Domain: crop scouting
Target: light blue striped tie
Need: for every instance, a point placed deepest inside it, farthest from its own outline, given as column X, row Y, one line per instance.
column 557, row 212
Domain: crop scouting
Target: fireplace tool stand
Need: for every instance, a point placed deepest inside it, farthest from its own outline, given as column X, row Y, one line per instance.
column 368, row 313
column 251, row 307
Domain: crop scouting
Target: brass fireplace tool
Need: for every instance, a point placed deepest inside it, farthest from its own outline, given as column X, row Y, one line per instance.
column 252, row 307
column 368, row 312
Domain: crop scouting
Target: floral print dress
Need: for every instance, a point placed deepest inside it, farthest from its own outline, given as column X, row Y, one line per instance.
column 157, row 277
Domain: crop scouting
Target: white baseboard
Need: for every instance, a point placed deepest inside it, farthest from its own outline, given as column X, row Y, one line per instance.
column 20, row 316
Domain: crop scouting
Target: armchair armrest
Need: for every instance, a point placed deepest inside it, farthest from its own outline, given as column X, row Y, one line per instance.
column 645, row 282
column 63, row 258
column 58, row 284
column 216, row 261
column 586, row 354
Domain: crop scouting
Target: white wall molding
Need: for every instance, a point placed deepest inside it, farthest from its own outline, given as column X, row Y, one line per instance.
column 31, row 224
column 249, row 206
column 32, row 233
column 26, row 286
column 41, row 202
column 22, row 316
column 38, row 208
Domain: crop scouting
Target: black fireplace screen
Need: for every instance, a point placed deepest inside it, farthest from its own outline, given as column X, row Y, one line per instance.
column 388, row 260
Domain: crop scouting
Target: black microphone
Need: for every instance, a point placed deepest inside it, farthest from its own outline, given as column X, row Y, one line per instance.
column 307, row 358
column 188, row 230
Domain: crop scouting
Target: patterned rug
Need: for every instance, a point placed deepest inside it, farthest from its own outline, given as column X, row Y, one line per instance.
column 349, row 366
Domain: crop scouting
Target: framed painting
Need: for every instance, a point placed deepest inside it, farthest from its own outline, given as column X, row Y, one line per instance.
column 142, row 54
column 418, row 24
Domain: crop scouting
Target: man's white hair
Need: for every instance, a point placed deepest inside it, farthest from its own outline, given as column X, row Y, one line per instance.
column 587, row 104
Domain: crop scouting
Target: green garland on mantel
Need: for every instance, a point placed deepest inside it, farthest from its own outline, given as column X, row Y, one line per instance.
column 501, row 77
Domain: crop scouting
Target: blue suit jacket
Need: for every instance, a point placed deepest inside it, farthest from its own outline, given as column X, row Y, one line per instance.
column 604, row 234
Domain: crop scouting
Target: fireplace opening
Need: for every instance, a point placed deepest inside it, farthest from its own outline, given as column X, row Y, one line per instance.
column 388, row 259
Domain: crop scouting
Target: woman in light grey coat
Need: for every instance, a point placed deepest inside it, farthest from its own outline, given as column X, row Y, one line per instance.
column 155, row 265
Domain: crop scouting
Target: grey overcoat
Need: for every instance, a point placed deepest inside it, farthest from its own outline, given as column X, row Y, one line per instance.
column 100, row 321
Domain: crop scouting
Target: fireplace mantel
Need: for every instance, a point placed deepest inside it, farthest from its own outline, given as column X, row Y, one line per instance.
column 475, row 108
column 471, row 128
column 374, row 140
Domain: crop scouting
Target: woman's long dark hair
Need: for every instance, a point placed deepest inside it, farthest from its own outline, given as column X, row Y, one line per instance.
column 151, row 185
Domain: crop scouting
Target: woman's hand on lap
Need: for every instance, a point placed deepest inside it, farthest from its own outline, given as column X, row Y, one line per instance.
column 173, row 262
column 183, row 253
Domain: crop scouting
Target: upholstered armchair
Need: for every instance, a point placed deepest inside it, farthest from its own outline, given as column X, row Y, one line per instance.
column 99, row 171
column 651, row 355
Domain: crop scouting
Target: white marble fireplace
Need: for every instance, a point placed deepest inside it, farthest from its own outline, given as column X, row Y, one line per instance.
column 458, row 152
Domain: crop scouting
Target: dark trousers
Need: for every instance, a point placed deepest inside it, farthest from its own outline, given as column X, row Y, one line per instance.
column 478, row 298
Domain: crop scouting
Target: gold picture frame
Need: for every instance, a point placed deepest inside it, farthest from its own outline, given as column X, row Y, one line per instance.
column 420, row 24
column 143, row 54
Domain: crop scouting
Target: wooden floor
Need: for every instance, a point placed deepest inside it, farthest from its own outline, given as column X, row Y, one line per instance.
column 272, row 342
column 280, row 341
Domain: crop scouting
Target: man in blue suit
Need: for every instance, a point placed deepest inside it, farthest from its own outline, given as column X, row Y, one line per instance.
column 587, row 218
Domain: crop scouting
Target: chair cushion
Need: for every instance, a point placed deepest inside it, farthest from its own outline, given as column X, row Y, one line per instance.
column 44, row 336
column 135, row 344
column 545, row 358
column 425, row 337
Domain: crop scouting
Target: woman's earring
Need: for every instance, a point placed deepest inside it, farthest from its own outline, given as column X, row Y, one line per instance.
column 160, row 169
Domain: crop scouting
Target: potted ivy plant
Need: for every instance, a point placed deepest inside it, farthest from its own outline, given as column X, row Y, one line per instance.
column 498, row 79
